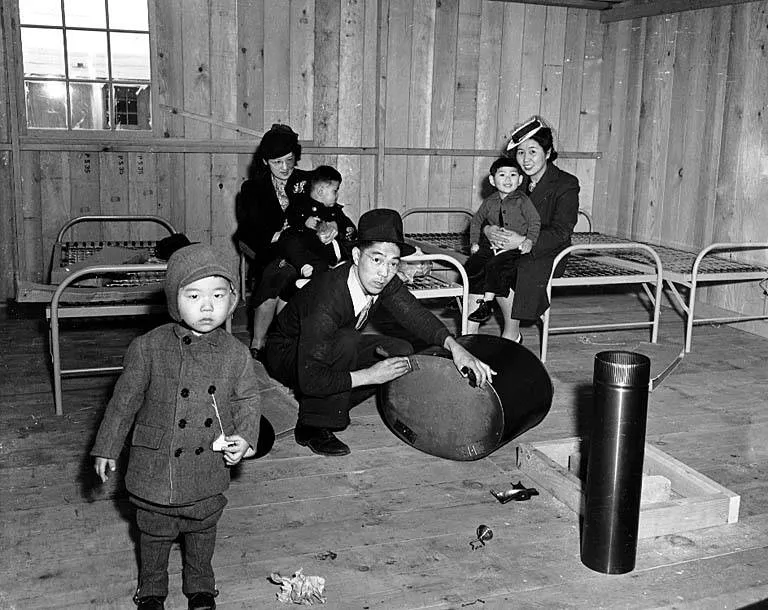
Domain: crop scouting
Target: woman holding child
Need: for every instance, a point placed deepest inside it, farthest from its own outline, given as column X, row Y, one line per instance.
column 555, row 195
column 274, row 180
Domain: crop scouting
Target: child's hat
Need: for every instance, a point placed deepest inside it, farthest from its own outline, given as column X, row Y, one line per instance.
column 525, row 131
column 190, row 264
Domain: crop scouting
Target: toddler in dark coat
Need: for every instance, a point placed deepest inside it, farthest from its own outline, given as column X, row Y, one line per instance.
column 189, row 393
column 319, row 233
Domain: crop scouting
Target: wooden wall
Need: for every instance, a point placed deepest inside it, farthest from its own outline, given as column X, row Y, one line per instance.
column 411, row 99
column 684, row 135
column 385, row 90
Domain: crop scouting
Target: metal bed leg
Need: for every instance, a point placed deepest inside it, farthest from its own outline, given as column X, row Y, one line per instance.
column 464, row 305
column 655, row 298
column 55, row 349
column 689, row 320
column 545, row 332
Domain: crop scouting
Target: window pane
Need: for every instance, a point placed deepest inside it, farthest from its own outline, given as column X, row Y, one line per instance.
column 46, row 104
column 132, row 106
column 87, row 54
column 43, row 52
column 40, row 12
column 128, row 15
column 89, row 103
column 130, row 56
column 85, row 13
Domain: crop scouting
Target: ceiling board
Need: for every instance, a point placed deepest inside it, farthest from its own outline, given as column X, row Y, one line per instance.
column 621, row 10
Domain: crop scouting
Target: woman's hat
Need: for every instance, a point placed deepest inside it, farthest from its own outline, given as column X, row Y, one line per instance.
column 383, row 225
column 278, row 141
column 525, row 131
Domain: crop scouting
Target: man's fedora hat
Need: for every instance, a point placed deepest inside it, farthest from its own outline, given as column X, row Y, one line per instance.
column 383, row 225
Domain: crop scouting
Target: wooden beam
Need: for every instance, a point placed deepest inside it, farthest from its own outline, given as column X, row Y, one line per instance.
column 181, row 145
column 626, row 10
column 597, row 5
column 9, row 18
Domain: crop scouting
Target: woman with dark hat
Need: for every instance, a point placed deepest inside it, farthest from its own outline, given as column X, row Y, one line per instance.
column 315, row 345
column 555, row 194
column 274, row 180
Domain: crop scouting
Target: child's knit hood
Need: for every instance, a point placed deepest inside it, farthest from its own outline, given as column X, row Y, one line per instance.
column 190, row 264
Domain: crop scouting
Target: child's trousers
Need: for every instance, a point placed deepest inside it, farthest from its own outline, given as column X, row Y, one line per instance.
column 159, row 526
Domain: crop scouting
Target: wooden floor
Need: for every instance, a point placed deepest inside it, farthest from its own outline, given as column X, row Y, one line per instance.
column 388, row 526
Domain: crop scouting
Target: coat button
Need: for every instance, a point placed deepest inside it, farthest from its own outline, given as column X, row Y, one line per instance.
column 177, row 453
column 187, row 340
column 182, row 423
column 208, row 422
column 212, row 389
column 184, row 392
column 198, row 451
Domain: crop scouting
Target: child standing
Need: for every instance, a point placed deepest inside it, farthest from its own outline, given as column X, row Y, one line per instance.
column 189, row 392
column 319, row 233
column 511, row 210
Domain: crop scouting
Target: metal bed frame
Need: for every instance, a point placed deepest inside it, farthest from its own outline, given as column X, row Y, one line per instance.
column 118, row 290
column 587, row 265
column 423, row 287
column 690, row 269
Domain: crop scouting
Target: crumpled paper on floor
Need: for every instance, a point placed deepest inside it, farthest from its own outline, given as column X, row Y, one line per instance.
column 300, row 589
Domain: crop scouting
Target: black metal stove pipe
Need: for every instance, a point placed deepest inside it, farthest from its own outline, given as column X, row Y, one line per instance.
column 615, row 462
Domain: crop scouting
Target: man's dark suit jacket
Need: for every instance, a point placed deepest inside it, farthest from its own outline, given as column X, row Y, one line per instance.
column 305, row 330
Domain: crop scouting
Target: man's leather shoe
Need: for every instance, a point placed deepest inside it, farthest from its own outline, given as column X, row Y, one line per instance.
column 320, row 440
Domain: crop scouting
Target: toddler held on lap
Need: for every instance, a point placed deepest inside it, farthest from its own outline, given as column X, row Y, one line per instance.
column 319, row 233
column 492, row 264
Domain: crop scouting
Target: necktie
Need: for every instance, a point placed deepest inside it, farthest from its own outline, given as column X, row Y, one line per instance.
column 362, row 318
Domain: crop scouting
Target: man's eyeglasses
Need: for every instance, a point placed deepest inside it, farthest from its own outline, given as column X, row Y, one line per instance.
column 380, row 262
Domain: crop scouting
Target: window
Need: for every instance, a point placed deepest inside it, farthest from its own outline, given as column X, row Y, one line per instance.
column 86, row 64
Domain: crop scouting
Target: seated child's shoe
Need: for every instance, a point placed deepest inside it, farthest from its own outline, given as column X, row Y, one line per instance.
column 150, row 602
column 202, row 601
column 483, row 313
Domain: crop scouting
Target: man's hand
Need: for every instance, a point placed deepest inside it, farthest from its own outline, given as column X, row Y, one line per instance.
column 104, row 465
column 312, row 222
column 462, row 358
column 474, row 248
column 306, row 270
column 381, row 372
column 526, row 246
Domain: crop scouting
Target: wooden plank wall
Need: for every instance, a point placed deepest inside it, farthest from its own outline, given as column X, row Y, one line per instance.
column 683, row 126
column 7, row 237
column 676, row 105
column 457, row 74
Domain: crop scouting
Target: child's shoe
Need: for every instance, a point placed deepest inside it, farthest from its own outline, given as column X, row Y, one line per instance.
column 483, row 313
column 202, row 601
column 150, row 602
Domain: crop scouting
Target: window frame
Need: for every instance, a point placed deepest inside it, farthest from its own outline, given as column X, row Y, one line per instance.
column 112, row 134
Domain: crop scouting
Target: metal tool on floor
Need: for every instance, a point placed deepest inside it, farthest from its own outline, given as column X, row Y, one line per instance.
column 518, row 493
column 483, row 534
